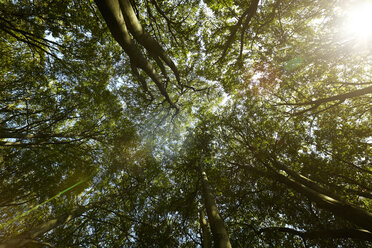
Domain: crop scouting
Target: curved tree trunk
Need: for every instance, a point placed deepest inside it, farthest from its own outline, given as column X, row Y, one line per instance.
column 29, row 236
column 113, row 16
column 354, row 214
column 205, row 236
column 136, row 29
column 317, row 194
column 219, row 232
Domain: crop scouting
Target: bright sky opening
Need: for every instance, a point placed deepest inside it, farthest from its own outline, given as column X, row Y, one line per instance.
column 358, row 23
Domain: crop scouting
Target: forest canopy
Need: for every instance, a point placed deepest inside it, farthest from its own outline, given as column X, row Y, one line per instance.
column 185, row 123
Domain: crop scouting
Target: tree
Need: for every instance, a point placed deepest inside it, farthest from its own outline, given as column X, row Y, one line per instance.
column 183, row 123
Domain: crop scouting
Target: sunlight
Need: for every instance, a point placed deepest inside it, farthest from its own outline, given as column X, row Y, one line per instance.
column 358, row 23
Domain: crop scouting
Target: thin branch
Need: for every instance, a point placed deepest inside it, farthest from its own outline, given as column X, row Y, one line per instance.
column 319, row 234
column 249, row 12
column 340, row 97
column 348, row 83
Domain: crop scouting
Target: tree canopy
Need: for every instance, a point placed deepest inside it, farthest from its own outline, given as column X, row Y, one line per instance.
column 185, row 123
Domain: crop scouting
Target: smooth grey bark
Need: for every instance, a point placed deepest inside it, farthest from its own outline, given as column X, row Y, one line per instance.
column 317, row 195
column 113, row 15
column 303, row 180
column 219, row 232
column 136, row 29
column 354, row 214
column 323, row 197
column 206, row 238
column 29, row 236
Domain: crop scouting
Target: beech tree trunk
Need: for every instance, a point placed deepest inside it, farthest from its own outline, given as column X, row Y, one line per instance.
column 354, row 214
column 114, row 16
column 29, row 237
column 219, row 232
column 317, row 194
column 205, row 236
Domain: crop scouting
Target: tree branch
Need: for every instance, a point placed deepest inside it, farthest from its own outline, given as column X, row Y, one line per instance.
column 28, row 237
column 318, row 234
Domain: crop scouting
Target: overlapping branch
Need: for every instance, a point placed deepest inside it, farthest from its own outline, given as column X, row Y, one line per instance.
column 337, row 98
column 327, row 233
column 122, row 23
column 28, row 237
column 243, row 22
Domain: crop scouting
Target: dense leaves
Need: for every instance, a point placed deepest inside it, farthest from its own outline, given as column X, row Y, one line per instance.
column 184, row 124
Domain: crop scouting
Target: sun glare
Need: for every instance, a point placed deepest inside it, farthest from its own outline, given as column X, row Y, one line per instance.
column 358, row 23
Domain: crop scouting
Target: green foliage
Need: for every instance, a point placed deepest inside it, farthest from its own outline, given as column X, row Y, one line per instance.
column 257, row 110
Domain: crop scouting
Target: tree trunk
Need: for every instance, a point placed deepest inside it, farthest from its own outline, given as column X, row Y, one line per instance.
column 219, row 232
column 205, row 236
column 136, row 29
column 29, row 236
column 318, row 195
column 354, row 214
column 113, row 16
